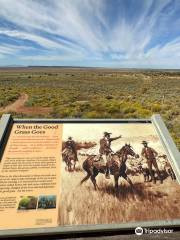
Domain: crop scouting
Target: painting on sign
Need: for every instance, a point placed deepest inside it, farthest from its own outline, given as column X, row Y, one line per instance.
column 116, row 173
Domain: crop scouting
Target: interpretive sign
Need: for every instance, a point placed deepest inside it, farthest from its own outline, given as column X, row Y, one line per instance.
column 64, row 176
column 29, row 170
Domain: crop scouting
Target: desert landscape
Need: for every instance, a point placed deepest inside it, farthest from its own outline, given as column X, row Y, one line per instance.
column 57, row 92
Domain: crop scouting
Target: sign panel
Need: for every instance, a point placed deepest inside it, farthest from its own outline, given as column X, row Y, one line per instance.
column 140, row 186
column 82, row 173
column 30, row 176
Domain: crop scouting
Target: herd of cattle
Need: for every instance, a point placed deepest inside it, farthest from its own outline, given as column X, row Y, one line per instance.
column 139, row 166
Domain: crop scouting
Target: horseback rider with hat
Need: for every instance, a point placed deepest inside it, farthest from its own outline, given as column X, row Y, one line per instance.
column 70, row 146
column 150, row 154
column 105, row 150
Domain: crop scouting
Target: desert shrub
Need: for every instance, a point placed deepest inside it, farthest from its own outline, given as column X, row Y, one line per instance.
column 98, row 107
column 168, row 115
column 144, row 113
column 129, row 109
column 156, row 108
column 65, row 113
column 131, row 115
column 92, row 114
column 108, row 97
column 29, row 103
column 7, row 96
column 175, row 112
column 144, row 90
column 84, row 107
column 113, row 109
column 165, row 107
column 1, row 103
column 176, row 138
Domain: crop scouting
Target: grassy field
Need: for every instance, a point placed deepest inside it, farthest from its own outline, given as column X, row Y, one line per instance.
column 92, row 93
column 81, row 204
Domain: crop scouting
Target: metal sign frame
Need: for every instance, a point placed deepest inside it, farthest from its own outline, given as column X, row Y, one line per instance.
column 173, row 154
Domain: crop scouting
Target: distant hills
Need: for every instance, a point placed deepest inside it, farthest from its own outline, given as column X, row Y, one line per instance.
column 88, row 67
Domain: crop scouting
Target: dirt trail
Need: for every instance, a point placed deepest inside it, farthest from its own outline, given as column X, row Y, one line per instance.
column 13, row 107
column 18, row 107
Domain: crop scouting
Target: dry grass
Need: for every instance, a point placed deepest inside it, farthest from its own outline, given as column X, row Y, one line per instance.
column 84, row 205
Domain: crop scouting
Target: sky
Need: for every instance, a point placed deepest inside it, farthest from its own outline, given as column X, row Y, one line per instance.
column 81, row 132
column 133, row 133
column 94, row 33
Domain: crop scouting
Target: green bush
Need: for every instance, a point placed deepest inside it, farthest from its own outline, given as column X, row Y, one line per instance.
column 156, row 108
column 144, row 113
column 129, row 110
column 92, row 114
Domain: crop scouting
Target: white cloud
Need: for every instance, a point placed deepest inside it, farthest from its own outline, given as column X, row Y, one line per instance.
column 5, row 49
column 8, row 49
column 42, row 41
column 65, row 18
column 84, row 29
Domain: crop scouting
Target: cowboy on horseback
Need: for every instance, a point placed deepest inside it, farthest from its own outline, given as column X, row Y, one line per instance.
column 70, row 147
column 117, row 170
column 105, row 150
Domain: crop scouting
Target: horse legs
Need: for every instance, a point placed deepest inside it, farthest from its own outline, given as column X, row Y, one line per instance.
column 74, row 166
column 130, row 182
column 116, row 177
column 66, row 167
column 68, row 163
column 93, row 178
column 85, row 178
column 89, row 174
column 69, row 166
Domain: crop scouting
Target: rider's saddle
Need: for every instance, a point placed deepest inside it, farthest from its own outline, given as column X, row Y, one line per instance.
column 99, row 160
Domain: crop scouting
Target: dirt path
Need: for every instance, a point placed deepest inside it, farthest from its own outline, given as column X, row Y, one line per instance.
column 14, row 107
column 18, row 107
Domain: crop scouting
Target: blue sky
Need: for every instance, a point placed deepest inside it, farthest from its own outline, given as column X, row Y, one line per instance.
column 102, row 33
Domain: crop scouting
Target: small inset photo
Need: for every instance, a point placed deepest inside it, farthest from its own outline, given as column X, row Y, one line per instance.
column 47, row 202
column 27, row 203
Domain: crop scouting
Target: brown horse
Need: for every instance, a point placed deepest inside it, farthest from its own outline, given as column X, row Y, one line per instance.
column 117, row 166
column 70, row 159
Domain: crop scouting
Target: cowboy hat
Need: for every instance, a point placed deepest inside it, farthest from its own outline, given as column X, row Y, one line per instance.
column 107, row 133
